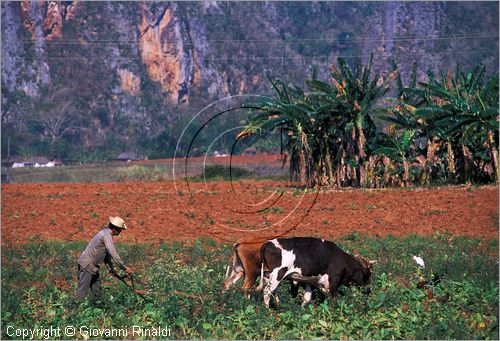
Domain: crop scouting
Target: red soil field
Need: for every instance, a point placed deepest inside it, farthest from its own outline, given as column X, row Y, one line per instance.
column 238, row 160
column 226, row 211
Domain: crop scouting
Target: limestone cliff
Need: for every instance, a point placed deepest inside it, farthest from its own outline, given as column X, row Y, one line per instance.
column 162, row 50
column 142, row 66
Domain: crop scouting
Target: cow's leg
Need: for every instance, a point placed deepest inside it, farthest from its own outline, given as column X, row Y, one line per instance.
column 269, row 289
column 237, row 270
column 260, row 287
column 307, row 294
column 233, row 279
column 264, row 283
column 270, row 285
column 249, row 281
column 334, row 285
column 294, row 288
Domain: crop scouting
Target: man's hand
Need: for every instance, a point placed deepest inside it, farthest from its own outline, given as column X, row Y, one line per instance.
column 128, row 270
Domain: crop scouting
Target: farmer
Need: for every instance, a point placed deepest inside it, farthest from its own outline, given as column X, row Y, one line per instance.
column 101, row 248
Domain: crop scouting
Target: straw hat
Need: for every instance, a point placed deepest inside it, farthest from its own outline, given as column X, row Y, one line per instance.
column 118, row 222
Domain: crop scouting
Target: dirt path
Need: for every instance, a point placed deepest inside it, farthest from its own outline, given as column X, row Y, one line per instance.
column 226, row 211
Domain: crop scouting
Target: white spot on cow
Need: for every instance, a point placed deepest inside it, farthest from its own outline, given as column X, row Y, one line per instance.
column 287, row 262
column 276, row 243
column 324, row 283
column 287, row 259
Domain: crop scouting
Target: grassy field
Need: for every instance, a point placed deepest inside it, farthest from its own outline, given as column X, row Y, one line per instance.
column 39, row 279
column 105, row 172
column 160, row 170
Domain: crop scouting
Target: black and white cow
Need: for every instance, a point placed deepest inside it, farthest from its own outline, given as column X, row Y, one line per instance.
column 246, row 263
column 312, row 261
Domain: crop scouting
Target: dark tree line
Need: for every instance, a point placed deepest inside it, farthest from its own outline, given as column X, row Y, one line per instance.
column 349, row 132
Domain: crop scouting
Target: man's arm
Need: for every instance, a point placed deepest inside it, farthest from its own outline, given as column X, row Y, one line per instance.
column 112, row 253
column 109, row 263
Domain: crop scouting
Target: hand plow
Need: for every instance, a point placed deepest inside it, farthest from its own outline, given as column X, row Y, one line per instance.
column 144, row 294
column 131, row 286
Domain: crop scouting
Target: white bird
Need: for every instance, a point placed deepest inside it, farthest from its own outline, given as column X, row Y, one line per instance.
column 419, row 261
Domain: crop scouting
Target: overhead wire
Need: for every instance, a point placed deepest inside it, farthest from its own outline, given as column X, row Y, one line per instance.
column 288, row 57
column 282, row 41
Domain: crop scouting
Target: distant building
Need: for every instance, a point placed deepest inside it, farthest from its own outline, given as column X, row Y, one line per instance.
column 217, row 154
column 250, row 151
column 17, row 164
column 33, row 161
column 36, row 161
column 127, row 156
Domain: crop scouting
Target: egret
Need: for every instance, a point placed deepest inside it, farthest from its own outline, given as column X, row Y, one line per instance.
column 419, row 261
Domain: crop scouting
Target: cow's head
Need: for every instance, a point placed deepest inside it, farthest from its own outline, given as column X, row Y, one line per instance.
column 367, row 266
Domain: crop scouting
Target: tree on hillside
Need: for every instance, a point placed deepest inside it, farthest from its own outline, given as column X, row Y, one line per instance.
column 56, row 116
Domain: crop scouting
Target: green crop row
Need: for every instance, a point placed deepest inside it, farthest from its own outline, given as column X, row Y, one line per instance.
column 183, row 287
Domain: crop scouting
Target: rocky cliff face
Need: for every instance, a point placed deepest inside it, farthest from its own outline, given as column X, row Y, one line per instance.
column 141, row 66
column 162, row 51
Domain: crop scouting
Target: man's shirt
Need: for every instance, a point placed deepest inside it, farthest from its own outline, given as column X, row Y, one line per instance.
column 100, row 249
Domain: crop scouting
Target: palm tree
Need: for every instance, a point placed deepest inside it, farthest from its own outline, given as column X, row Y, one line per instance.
column 329, row 126
column 399, row 148
column 488, row 97
column 461, row 109
column 456, row 111
column 288, row 111
column 346, row 107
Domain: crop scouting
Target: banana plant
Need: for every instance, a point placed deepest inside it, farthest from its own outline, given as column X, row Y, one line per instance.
column 330, row 127
column 349, row 103
column 464, row 114
column 288, row 111
column 399, row 149
column 401, row 114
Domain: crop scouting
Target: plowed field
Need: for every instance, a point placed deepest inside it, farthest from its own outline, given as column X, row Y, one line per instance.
column 226, row 211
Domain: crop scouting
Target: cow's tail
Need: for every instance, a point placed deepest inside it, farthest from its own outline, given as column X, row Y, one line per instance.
column 263, row 265
column 230, row 268
column 261, row 284
column 233, row 262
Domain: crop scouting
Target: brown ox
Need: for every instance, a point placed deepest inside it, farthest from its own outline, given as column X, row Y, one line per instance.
column 245, row 263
